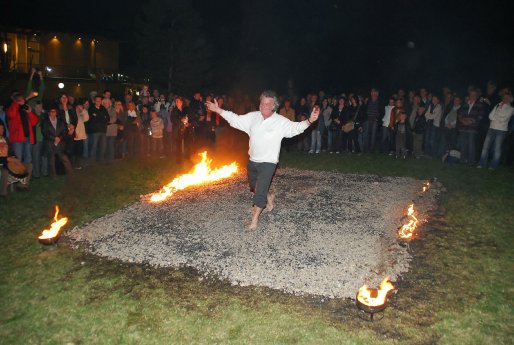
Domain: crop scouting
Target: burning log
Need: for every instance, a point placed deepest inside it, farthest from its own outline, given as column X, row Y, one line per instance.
column 371, row 301
column 407, row 230
column 201, row 173
column 51, row 236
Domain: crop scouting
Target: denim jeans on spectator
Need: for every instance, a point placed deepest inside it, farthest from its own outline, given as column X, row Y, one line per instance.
column 467, row 146
column 22, row 151
column 98, row 147
column 39, row 162
column 111, row 141
column 417, row 145
column 87, row 145
column 386, row 140
column 330, row 140
column 448, row 139
column 493, row 139
column 429, row 139
column 337, row 137
column 316, row 141
column 369, row 135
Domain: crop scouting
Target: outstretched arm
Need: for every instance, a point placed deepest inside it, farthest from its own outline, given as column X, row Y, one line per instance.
column 241, row 122
column 295, row 128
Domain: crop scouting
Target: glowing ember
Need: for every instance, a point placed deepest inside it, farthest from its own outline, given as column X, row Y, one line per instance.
column 55, row 227
column 407, row 230
column 202, row 173
column 375, row 297
column 426, row 186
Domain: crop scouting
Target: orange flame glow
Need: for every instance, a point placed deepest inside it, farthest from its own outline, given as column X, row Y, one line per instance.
column 375, row 297
column 426, row 186
column 55, row 227
column 407, row 230
column 201, row 173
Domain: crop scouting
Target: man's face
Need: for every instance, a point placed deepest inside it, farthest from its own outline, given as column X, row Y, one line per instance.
column 473, row 96
column 79, row 109
column 491, row 88
column 179, row 102
column 145, row 100
column 107, row 94
column 98, row 102
column 64, row 99
column 287, row 104
column 374, row 94
column 128, row 98
column 197, row 96
column 267, row 106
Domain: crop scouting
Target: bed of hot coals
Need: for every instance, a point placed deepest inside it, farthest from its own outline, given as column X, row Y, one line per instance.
column 329, row 233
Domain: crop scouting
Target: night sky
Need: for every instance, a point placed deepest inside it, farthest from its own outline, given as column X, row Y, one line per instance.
column 331, row 45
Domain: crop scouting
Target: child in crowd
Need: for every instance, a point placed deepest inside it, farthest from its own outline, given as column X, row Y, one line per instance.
column 156, row 134
column 417, row 133
column 402, row 132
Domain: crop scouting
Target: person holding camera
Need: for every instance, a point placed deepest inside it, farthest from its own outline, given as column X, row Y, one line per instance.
column 21, row 121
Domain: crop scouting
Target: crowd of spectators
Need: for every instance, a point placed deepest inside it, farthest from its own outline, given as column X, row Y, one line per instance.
column 472, row 128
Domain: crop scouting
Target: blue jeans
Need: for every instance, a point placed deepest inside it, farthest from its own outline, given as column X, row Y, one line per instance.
column 466, row 145
column 369, row 134
column 22, row 151
column 98, row 148
column 386, row 139
column 494, row 139
column 316, row 140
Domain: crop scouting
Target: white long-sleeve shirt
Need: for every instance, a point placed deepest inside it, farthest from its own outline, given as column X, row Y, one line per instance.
column 265, row 135
column 500, row 116
column 435, row 114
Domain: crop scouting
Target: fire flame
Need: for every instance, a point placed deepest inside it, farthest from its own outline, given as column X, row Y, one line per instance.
column 367, row 296
column 426, row 186
column 55, row 227
column 201, row 173
column 407, row 230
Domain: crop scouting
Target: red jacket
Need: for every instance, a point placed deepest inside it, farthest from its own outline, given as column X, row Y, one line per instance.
column 16, row 127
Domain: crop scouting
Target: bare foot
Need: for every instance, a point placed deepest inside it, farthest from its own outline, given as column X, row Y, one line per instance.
column 256, row 211
column 271, row 202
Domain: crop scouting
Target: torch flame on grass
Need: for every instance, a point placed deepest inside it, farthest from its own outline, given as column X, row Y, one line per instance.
column 407, row 230
column 201, row 173
column 55, row 227
column 426, row 186
column 375, row 297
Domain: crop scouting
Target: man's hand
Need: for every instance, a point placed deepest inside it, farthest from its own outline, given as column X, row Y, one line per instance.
column 314, row 114
column 40, row 74
column 213, row 106
column 57, row 140
column 71, row 129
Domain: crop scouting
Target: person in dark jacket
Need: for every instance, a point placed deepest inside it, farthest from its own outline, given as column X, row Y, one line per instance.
column 98, row 120
column 335, row 126
column 402, row 132
column 418, row 131
column 55, row 132
column 469, row 117
column 69, row 116
column 373, row 113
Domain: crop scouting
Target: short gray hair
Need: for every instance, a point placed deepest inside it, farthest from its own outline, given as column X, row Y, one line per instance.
column 270, row 94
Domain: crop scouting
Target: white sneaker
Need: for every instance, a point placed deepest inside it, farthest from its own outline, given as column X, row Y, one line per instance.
column 317, row 151
column 311, row 151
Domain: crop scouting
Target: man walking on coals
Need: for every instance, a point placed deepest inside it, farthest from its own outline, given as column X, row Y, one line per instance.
column 266, row 130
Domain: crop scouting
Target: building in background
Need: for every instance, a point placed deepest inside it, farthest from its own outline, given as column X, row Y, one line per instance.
column 78, row 63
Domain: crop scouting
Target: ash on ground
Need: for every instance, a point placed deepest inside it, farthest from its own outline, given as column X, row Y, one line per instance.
column 328, row 234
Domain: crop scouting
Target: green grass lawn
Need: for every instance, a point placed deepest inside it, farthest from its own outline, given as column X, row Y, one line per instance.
column 459, row 290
